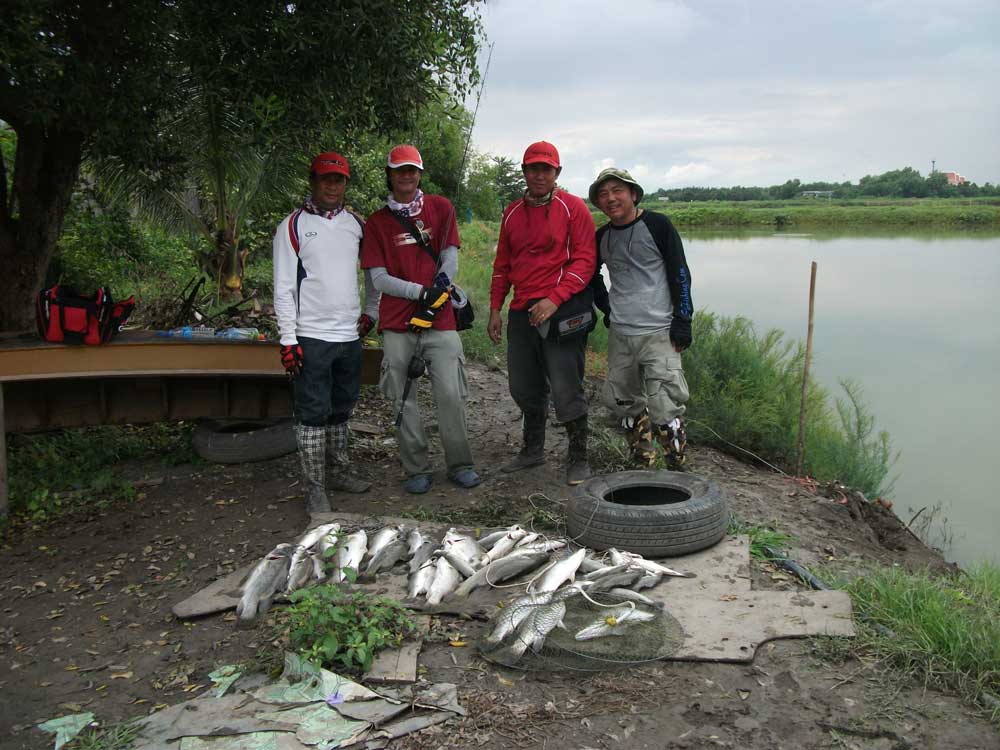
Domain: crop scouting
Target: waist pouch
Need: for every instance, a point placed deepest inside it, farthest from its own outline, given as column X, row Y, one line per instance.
column 64, row 316
column 574, row 317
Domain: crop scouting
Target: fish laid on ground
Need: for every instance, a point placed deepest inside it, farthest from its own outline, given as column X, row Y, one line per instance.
column 314, row 535
column 490, row 539
column 634, row 596
column 299, row 570
column 550, row 545
column 627, row 576
column 515, row 613
column 614, row 622
column 351, row 554
column 459, row 563
column 420, row 555
column 504, row 545
column 381, row 538
column 445, row 581
column 267, row 579
column 558, row 573
column 421, row 579
column 647, row 581
column 527, row 539
column 537, row 626
column 590, row 564
column 387, row 557
column 464, row 546
column 328, row 541
column 655, row 567
column 517, row 562
column 605, row 571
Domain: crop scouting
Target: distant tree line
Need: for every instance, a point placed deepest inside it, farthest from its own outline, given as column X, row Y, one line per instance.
column 897, row 183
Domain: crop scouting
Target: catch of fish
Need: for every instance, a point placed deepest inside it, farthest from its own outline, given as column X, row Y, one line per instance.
column 457, row 565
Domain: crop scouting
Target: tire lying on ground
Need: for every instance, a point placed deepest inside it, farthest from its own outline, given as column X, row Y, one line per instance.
column 236, row 441
column 652, row 513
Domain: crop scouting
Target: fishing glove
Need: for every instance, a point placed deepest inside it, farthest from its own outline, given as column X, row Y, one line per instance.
column 680, row 333
column 365, row 325
column 291, row 358
column 430, row 302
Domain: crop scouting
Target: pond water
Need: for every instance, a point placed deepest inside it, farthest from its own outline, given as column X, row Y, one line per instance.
column 915, row 319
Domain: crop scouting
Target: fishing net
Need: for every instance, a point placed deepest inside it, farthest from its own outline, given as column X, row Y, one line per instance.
column 618, row 632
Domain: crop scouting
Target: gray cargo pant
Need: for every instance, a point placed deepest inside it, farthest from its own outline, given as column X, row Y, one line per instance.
column 445, row 359
column 644, row 372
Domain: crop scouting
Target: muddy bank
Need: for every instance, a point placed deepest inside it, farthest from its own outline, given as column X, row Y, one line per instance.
column 86, row 624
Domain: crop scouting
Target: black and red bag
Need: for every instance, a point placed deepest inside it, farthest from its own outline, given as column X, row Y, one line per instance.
column 65, row 316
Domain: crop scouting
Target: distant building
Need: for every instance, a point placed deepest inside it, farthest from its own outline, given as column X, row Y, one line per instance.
column 663, row 198
column 816, row 194
column 954, row 178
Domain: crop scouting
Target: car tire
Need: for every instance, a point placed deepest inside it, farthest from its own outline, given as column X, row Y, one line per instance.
column 237, row 441
column 652, row 513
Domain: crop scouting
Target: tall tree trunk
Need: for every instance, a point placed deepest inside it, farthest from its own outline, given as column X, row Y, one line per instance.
column 45, row 170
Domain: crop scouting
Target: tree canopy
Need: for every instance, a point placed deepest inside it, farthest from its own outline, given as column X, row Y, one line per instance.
column 112, row 80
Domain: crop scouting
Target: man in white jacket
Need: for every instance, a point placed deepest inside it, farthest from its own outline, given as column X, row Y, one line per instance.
column 318, row 307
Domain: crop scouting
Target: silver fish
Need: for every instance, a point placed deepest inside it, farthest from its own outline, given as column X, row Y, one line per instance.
column 614, row 622
column 605, row 571
column 351, row 553
column 421, row 579
column 590, row 564
column 504, row 545
column 415, row 540
column 490, row 539
column 537, row 626
column 546, row 546
column 518, row 561
column 515, row 613
column 559, row 573
column 463, row 545
column 315, row 534
column 655, row 567
column 422, row 554
column 267, row 579
column 635, row 596
column 624, row 577
column 299, row 570
column 459, row 563
column 381, row 538
column 527, row 539
column 445, row 581
column 647, row 581
column 387, row 557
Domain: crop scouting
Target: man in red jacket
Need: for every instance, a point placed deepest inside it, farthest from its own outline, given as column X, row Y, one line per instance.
column 546, row 252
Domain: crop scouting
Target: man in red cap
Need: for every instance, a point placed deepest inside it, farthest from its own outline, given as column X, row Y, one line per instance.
column 318, row 307
column 411, row 251
column 546, row 252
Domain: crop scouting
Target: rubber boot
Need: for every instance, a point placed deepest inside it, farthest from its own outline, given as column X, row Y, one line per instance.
column 640, row 440
column 533, row 444
column 577, row 468
column 673, row 437
column 337, row 436
column 312, row 455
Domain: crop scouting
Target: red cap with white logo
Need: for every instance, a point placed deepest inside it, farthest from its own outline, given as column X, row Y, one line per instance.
column 328, row 162
column 542, row 152
column 404, row 156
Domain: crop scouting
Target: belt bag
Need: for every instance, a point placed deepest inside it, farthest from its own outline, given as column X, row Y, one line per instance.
column 64, row 316
column 574, row 317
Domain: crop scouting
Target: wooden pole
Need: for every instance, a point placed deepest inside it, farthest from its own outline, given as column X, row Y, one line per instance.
column 805, row 372
column 4, row 508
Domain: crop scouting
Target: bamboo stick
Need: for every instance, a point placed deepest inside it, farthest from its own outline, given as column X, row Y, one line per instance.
column 805, row 372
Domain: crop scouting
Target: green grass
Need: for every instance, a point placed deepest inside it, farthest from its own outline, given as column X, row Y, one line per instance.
column 116, row 737
column 56, row 472
column 761, row 537
column 945, row 630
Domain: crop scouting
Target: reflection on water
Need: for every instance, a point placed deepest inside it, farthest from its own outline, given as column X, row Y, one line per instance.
column 915, row 319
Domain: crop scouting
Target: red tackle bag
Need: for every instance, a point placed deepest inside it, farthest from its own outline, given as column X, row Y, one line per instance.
column 63, row 315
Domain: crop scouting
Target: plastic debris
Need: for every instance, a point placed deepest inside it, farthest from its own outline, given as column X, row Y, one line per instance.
column 65, row 728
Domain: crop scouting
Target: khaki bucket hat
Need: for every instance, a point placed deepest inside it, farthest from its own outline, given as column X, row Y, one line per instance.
column 616, row 174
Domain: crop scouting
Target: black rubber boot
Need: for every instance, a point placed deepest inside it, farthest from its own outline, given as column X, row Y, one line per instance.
column 533, row 444
column 577, row 468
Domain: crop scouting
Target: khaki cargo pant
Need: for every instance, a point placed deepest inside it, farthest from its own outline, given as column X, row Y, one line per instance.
column 644, row 372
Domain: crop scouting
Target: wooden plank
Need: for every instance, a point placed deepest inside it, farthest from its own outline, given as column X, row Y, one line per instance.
column 400, row 664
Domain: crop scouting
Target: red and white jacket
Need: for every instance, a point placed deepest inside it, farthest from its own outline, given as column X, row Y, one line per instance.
column 543, row 251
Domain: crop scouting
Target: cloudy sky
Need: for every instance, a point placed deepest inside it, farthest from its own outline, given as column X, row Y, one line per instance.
column 734, row 92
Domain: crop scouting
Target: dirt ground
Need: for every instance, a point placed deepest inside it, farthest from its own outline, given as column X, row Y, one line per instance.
column 86, row 622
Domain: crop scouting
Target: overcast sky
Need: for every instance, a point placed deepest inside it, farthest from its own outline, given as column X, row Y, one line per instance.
column 731, row 92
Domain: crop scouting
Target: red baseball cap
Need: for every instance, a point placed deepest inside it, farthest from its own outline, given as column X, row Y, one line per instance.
column 405, row 155
column 330, row 161
column 542, row 152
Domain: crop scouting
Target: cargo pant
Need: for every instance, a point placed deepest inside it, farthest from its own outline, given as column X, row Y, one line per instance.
column 644, row 372
column 442, row 350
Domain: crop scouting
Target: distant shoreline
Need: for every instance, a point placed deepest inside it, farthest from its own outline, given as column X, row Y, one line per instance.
column 954, row 213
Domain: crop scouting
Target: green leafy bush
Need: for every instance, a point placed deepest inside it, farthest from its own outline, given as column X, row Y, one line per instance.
column 343, row 630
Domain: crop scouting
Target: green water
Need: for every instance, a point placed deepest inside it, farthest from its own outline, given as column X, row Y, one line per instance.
column 916, row 319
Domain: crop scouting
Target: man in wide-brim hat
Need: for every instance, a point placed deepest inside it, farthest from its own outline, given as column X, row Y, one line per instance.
column 648, row 313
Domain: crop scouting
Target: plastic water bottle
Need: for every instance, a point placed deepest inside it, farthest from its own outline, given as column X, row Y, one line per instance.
column 243, row 334
column 189, row 332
